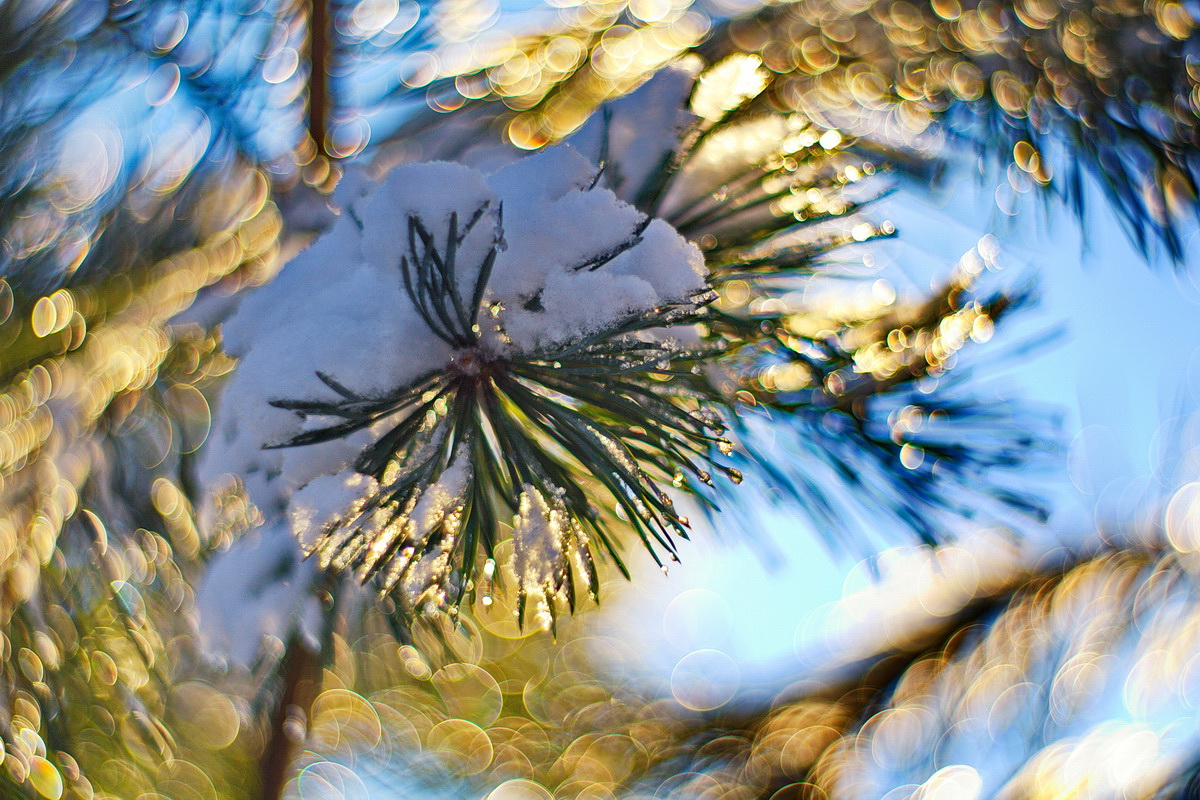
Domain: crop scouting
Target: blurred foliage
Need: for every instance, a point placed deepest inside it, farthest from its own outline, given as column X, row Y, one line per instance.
column 112, row 222
column 1057, row 92
column 1073, row 679
column 147, row 149
column 99, row 543
column 130, row 128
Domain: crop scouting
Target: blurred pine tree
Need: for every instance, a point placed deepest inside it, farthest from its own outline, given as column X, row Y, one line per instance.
column 160, row 159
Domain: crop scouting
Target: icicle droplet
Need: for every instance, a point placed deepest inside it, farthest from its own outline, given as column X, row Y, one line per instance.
column 664, row 569
column 725, row 446
column 558, row 365
column 489, row 567
column 677, row 480
column 735, row 475
column 685, row 522
column 486, row 600
column 705, row 477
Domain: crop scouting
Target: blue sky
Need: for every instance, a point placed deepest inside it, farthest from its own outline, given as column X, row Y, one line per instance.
column 1126, row 363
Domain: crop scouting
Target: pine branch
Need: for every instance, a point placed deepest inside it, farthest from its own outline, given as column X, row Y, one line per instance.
column 1015, row 78
column 496, row 435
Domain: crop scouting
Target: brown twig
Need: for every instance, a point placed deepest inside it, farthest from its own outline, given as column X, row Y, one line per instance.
column 318, row 63
column 300, row 675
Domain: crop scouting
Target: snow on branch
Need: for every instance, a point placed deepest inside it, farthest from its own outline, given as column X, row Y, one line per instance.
column 462, row 353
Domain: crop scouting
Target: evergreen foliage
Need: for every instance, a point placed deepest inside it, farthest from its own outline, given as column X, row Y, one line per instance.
column 156, row 161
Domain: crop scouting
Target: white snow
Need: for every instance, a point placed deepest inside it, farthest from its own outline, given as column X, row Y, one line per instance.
column 443, row 496
column 323, row 501
column 260, row 587
column 553, row 224
column 636, row 134
column 539, row 533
